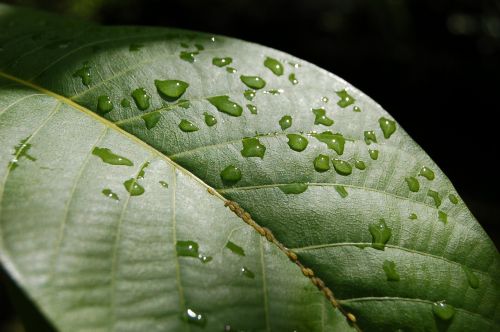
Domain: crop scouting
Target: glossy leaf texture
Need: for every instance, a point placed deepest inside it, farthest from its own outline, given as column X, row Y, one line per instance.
column 310, row 157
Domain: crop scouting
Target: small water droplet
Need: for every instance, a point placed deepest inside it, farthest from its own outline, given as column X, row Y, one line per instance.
column 184, row 45
column 274, row 92
column 335, row 142
column 210, row 120
column 442, row 216
column 199, row 47
column 141, row 98
column 151, row 119
column 235, row 248
column 274, row 65
column 134, row 47
column 413, row 184
column 370, row 137
column 390, row 270
column 373, row 154
column 412, row 216
column 125, row 103
column 110, row 158
column 183, row 103
column 21, row 150
column 342, row 167
column 321, row 117
column 192, row 317
column 297, row 142
column 252, row 108
column 442, row 310
column 110, row 194
column 341, row 191
column 388, row 126
column 221, row 62
column 253, row 82
column 225, row 105
column 84, row 73
column 345, row 98
column 171, row 90
column 230, row 175
column 360, row 164
column 142, row 171
column 435, row 196
column 247, row 273
column 322, row 163
column 285, row 122
column 188, row 56
column 471, row 277
column 133, row 187
column 293, row 188
column 104, row 104
column 381, row 233
column 356, row 109
column 293, row 79
column 325, row 99
column 249, row 94
column 253, row 148
column 453, row 198
column 191, row 249
column 231, row 70
column 427, row 173
column 187, row 126
column 164, row 184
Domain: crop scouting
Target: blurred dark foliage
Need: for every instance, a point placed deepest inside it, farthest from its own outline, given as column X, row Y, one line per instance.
column 433, row 64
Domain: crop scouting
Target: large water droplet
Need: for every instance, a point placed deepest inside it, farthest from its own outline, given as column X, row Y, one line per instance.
column 442, row 216
column 188, row 56
column 390, row 270
column 413, row 184
column 21, row 150
column 293, row 79
column 254, row 82
column 133, row 187
column 141, row 98
column 85, row 74
column 321, row 117
column 192, row 317
column 253, row 148
column 442, row 310
column 110, row 158
column 370, row 137
column 187, row 126
column 110, row 194
column 345, row 98
column 335, row 142
column 225, row 105
column 293, row 188
column 453, row 198
column 171, row 90
column 249, row 94
column 230, row 175
column 427, row 173
column 104, row 104
column 373, row 154
column 274, row 65
column 252, row 108
column 388, row 126
column 322, row 163
column 342, row 167
column 297, row 142
column 210, row 120
column 235, row 248
column 341, row 191
column 381, row 233
column 435, row 196
column 221, row 62
column 471, row 277
column 360, row 164
column 247, row 273
column 285, row 122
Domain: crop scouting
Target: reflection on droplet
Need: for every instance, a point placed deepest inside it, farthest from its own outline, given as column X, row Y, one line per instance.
column 171, row 90
column 321, row 118
column 187, row 126
column 293, row 188
column 253, row 82
column 247, row 273
column 110, row 194
column 322, row 163
column 335, row 142
column 274, row 65
column 388, row 126
column 151, row 119
column 341, row 191
column 231, row 70
column 110, row 158
column 381, row 233
column 442, row 310
column 412, row 183
column 297, row 142
column 141, row 98
column 225, row 105
column 345, row 98
column 370, row 137
column 133, row 187
column 285, row 122
column 210, row 120
column 427, row 173
column 235, row 248
column 390, row 270
column 253, row 148
column 342, row 167
column 221, row 62
column 471, row 277
column 230, row 175
column 194, row 318
column 356, row 109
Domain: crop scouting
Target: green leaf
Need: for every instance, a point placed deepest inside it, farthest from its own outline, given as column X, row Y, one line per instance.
column 91, row 261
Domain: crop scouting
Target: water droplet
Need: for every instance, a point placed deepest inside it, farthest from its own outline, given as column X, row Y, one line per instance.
column 274, row 65
column 322, row 163
column 110, row 158
column 187, row 126
column 104, row 104
column 190, row 249
column 356, row 109
column 427, row 173
column 293, row 188
column 325, row 99
column 412, row 216
column 253, row 148
column 252, row 108
column 390, row 270
column 188, row 56
column 151, row 119
column 235, row 248
column 21, row 150
column 194, row 318
column 360, row 164
column 453, row 198
column 210, row 120
column 254, row 82
column 373, row 154
column 249, row 94
column 370, row 137
column 85, row 74
column 230, row 175
column 125, row 102
column 164, row 184
column 231, row 70
column 345, row 98
column 342, row 167
column 413, row 184
column 134, row 47
column 435, row 196
column 335, row 142
column 471, row 277
column 381, row 233
column 321, row 117
column 141, row 98
column 199, row 47
column 285, row 122
column 183, row 103
column 297, row 142
column 133, row 187
column 388, row 126
column 247, row 273
column 225, row 105
column 274, row 92
column 142, row 171
column 341, row 191
column 171, row 90
column 293, row 79
column 184, row 45
column 442, row 310
column 442, row 216
column 221, row 62
column 110, row 194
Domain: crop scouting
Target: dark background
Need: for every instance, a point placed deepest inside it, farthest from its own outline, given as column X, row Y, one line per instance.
column 433, row 64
